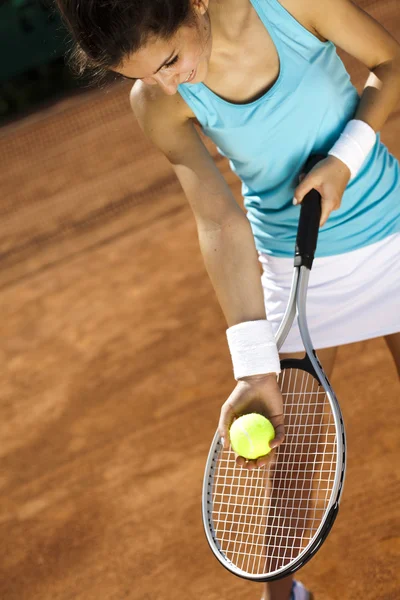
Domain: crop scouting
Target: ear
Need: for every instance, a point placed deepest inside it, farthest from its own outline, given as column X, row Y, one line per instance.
column 200, row 6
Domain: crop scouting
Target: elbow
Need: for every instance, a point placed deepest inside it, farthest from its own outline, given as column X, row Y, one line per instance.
column 225, row 234
column 233, row 220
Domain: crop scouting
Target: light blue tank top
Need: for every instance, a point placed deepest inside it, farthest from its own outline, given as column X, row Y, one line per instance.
column 269, row 140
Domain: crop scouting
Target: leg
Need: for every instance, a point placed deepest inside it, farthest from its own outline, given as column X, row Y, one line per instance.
column 280, row 590
column 393, row 342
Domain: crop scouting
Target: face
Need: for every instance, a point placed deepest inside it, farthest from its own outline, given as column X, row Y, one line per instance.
column 180, row 60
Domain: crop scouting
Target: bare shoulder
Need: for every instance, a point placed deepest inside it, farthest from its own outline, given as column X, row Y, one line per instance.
column 352, row 29
column 153, row 108
column 167, row 121
column 300, row 10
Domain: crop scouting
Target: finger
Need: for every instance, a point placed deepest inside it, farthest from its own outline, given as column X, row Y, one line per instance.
column 265, row 461
column 250, row 465
column 225, row 421
column 240, row 461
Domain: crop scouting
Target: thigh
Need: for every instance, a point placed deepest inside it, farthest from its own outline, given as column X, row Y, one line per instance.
column 326, row 357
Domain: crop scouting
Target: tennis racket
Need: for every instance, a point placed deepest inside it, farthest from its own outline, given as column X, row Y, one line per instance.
column 265, row 524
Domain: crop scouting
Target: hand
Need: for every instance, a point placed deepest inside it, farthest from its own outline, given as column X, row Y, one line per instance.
column 330, row 178
column 260, row 394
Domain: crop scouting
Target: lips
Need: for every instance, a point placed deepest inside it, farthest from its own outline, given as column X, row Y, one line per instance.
column 191, row 76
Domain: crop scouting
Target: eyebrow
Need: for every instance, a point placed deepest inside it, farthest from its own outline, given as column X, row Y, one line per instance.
column 159, row 68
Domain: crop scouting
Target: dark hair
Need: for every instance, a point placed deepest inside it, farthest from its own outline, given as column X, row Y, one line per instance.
column 104, row 32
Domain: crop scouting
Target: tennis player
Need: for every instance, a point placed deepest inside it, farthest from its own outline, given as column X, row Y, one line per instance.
column 264, row 81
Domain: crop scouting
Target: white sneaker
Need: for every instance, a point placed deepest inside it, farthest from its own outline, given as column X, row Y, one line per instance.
column 299, row 592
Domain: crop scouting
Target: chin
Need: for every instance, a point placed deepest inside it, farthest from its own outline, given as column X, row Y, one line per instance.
column 200, row 75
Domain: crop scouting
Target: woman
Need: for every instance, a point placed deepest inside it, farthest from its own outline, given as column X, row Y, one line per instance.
column 263, row 79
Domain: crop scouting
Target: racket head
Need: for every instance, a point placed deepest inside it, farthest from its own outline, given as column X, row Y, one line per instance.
column 266, row 523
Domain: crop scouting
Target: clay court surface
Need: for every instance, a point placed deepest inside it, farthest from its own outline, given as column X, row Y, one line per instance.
column 114, row 368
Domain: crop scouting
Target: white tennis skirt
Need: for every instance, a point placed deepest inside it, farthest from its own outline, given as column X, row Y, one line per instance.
column 351, row 297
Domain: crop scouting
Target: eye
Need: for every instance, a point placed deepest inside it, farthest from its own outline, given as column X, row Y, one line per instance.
column 125, row 78
column 173, row 62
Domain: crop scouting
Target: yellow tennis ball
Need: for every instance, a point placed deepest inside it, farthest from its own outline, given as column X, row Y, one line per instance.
column 250, row 435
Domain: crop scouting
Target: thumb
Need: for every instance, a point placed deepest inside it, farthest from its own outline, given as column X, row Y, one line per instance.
column 302, row 190
column 225, row 420
column 278, row 423
column 279, row 436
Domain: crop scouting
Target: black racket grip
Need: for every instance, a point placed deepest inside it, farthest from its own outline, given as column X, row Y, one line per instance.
column 310, row 216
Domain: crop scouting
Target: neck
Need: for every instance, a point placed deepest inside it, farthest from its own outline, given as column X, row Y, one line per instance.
column 228, row 19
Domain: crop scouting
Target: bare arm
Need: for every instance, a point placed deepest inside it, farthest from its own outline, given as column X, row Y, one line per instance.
column 355, row 31
column 226, row 243
column 361, row 36
column 225, row 236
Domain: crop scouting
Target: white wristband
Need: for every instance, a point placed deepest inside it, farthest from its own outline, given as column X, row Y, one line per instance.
column 353, row 146
column 253, row 349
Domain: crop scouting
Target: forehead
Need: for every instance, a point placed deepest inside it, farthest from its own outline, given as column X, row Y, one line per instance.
column 145, row 61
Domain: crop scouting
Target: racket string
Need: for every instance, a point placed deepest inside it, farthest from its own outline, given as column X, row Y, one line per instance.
column 263, row 519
